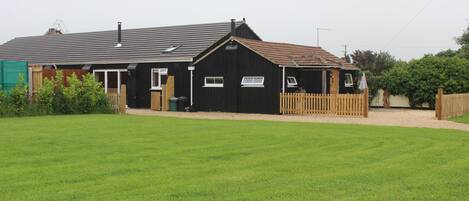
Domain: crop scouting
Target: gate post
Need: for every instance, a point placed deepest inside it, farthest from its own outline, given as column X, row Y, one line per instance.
column 365, row 103
column 439, row 104
column 123, row 99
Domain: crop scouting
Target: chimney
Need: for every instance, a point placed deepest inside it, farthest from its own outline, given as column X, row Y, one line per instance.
column 233, row 27
column 119, row 34
column 53, row 31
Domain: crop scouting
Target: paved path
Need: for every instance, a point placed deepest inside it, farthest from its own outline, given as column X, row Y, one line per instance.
column 384, row 117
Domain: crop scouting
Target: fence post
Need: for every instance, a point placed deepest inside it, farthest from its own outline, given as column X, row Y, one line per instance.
column 365, row 103
column 123, row 99
column 281, row 103
column 439, row 104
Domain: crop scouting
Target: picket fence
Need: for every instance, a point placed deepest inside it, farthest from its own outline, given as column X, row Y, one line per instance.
column 331, row 104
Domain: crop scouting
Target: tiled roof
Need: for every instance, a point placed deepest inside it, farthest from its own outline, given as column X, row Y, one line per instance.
column 294, row 55
column 138, row 45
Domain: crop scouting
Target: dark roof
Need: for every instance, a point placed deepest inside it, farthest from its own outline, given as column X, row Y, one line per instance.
column 138, row 45
column 292, row 55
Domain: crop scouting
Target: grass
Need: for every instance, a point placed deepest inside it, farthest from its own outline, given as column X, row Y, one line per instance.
column 111, row 157
column 462, row 119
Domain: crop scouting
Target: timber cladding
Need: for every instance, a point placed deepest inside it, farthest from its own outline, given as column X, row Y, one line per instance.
column 50, row 73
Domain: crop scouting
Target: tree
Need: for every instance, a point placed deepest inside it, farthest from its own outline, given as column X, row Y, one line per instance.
column 448, row 53
column 374, row 62
column 420, row 79
column 464, row 42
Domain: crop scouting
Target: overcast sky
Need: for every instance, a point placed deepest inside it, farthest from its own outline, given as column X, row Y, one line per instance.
column 406, row 28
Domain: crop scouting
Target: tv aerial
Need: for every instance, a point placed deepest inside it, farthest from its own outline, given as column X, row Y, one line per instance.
column 59, row 25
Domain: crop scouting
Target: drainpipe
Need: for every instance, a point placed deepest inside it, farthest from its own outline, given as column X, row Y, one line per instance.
column 283, row 79
column 191, row 69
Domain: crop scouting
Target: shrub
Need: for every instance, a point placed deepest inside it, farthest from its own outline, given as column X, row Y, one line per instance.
column 59, row 104
column 18, row 96
column 92, row 98
column 71, row 94
column 45, row 97
column 2, row 97
column 420, row 79
column 80, row 97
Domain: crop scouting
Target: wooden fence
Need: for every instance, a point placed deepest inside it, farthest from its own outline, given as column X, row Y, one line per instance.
column 118, row 101
column 451, row 105
column 331, row 104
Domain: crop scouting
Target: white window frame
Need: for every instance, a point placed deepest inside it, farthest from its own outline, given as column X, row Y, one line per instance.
column 348, row 84
column 106, row 71
column 214, row 85
column 292, row 84
column 160, row 71
column 246, row 84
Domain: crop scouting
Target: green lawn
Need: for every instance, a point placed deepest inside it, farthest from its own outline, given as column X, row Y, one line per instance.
column 462, row 119
column 111, row 157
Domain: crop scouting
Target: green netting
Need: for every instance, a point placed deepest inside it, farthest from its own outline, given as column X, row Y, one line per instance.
column 10, row 72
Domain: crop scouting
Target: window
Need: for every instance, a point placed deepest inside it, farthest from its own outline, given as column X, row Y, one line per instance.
column 156, row 74
column 252, row 81
column 291, row 82
column 348, row 80
column 213, row 82
column 170, row 49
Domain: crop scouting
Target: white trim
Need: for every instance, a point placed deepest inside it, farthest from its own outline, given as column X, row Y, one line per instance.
column 152, row 73
column 351, row 78
column 292, row 84
column 214, row 85
column 191, row 69
column 245, row 78
column 106, row 71
column 106, row 81
column 283, row 79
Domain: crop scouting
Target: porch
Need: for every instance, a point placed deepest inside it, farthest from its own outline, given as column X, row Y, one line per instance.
column 321, row 90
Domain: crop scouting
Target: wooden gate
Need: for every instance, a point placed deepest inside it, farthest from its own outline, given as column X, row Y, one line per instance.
column 117, row 100
column 332, row 104
column 451, row 105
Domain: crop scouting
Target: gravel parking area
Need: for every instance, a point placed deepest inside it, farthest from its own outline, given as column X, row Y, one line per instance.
column 382, row 117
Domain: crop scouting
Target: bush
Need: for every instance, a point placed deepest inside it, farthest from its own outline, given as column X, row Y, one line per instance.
column 92, row 98
column 71, row 94
column 80, row 97
column 18, row 97
column 45, row 97
column 420, row 79
column 60, row 105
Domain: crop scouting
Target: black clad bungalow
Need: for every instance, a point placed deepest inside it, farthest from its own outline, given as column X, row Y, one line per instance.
column 233, row 70
column 247, row 76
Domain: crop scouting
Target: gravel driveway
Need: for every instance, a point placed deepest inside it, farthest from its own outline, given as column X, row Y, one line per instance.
column 382, row 117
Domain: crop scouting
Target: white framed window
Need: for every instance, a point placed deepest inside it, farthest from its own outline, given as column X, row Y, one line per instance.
column 291, row 82
column 213, row 82
column 348, row 80
column 111, row 79
column 156, row 74
column 252, row 81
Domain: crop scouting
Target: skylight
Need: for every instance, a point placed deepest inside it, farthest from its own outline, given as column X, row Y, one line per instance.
column 171, row 49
